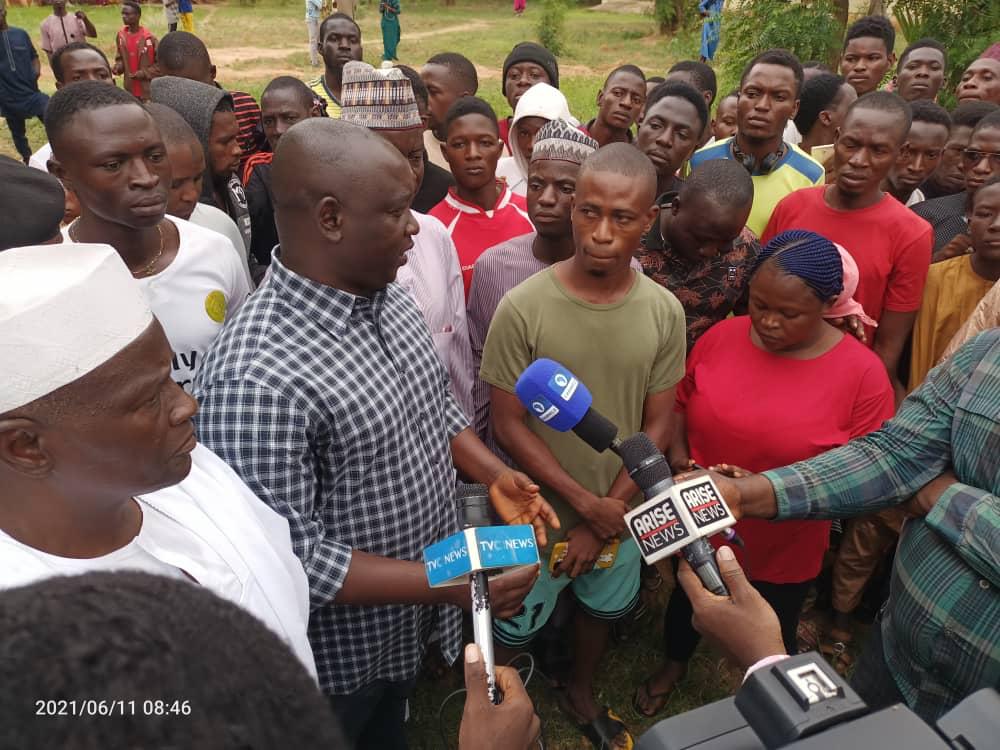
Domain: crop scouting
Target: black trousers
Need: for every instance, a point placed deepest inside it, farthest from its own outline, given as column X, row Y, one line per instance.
column 374, row 718
column 872, row 679
column 680, row 639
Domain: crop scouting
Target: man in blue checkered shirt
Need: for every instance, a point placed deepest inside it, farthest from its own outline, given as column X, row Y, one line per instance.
column 326, row 395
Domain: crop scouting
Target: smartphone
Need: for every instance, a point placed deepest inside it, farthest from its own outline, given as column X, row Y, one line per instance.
column 604, row 560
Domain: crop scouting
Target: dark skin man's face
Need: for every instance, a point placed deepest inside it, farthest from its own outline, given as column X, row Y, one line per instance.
column 669, row 133
column 984, row 223
column 768, row 100
column 865, row 62
column 621, row 100
column 919, row 156
column 866, row 148
column 224, row 151
column 130, row 16
column 132, row 433
column 521, row 77
column 697, row 228
column 981, row 160
column 949, row 174
column 84, row 65
column 377, row 226
column 187, row 167
column 550, row 190
column 279, row 110
column 785, row 314
column 921, row 74
column 341, row 43
column 409, row 143
column 524, row 134
column 611, row 213
column 116, row 163
column 443, row 89
column 472, row 151
column 980, row 82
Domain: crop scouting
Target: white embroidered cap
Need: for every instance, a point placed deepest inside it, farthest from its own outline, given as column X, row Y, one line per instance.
column 64, row 311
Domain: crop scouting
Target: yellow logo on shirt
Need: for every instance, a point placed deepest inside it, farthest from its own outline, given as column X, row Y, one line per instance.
column 215, row 306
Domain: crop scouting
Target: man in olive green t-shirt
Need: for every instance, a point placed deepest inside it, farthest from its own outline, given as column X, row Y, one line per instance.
column 623, row 335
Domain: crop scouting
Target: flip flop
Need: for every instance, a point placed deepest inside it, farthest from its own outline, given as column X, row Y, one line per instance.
column 606, row 731
column 637, row 707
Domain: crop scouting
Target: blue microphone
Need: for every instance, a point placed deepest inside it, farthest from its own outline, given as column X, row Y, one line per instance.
column 556, row 396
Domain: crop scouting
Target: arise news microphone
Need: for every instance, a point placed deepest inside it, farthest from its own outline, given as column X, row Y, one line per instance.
column 472, row 556
column 675, row 516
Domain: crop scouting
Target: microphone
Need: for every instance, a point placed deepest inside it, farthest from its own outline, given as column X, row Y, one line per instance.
column 557, row 397
column 674, row 517
column 473, row 511
column 472, row 556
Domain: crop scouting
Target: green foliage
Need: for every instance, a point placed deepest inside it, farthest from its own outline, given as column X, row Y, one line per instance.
column 671, row 15
column 966, row 28
column 551, row 23
column 809, row 29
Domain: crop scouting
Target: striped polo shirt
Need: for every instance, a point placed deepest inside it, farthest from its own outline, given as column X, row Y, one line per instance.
column 319, row 87
column 248, row 119
column 795, row 170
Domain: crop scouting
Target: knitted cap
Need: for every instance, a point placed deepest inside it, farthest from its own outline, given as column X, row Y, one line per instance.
column 378, row 99
column 32, row 204
column 560, row 141
column 810, row 256
column 534, row 53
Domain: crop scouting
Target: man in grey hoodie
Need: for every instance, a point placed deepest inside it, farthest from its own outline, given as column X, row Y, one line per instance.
column 209, row 112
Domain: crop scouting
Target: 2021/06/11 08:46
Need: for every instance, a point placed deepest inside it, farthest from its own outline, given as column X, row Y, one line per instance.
column 106, row 707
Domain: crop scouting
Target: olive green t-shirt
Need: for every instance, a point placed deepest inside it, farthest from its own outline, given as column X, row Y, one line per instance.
column 622, row 352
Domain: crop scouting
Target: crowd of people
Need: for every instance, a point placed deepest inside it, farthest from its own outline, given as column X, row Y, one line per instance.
column 255, row 347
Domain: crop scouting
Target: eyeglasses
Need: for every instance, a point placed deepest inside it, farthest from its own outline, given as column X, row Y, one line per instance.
column 973, row 157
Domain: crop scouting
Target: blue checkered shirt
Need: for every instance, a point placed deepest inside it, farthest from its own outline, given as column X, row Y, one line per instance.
column 941, row 627
column 336, row 411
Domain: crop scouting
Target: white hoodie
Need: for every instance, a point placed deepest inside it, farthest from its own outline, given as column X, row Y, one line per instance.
column 541, row 100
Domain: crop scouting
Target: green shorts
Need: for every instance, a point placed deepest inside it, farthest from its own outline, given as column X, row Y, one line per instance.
column 603, row 593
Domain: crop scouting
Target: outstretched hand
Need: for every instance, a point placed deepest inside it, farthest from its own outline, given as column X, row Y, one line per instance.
column 516, row 500
column 742, row 625
column 512, row 725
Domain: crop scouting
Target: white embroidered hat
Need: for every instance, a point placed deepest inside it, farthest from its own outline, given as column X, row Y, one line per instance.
column 64, row 311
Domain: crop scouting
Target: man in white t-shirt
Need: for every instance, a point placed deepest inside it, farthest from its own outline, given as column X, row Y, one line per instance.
column 107, row 149
column 99, row 465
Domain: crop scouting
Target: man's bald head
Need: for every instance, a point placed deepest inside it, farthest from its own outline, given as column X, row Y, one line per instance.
column 623, row 159
column 342, row 204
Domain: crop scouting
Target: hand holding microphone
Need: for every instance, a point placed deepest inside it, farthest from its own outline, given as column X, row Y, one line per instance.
column 512, row 725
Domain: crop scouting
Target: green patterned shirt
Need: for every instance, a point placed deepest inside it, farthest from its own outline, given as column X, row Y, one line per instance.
column 941, row 626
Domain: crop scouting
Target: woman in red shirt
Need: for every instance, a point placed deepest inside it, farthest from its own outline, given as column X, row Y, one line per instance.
column 135, row 52
column 765, row 390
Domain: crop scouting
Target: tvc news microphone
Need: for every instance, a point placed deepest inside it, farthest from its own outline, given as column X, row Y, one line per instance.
column 674, row 517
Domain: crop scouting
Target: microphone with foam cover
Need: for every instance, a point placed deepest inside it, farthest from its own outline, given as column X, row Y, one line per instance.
column 555, row 396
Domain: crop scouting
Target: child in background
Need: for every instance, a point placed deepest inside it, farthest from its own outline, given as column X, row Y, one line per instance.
column 186, row 12
column 724, row 123
column 135, row 52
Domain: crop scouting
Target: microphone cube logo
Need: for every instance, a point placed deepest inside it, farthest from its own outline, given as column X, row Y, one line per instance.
column 544, row 409
column 704, row 504
column 658, row 527
column 563, row 383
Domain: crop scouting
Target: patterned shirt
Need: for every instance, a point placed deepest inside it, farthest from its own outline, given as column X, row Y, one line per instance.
column 710, row 289
column 251, row 136
column 335, row 410
column 941, row 626
column 946, row 215
column 325, row 96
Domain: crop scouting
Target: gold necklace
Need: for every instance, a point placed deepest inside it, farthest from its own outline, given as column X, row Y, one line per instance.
column 145, row 270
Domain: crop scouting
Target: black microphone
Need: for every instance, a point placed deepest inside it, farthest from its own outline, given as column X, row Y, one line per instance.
column 473, row 501
column 649, row 469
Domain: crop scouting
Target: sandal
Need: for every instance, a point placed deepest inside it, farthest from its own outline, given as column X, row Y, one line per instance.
column 839, row 657
column 606, row 731
column 663, row 697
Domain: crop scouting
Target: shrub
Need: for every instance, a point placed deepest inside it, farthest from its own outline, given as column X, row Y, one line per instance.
column 966, row 28
column 671, row 15
column 810, row 29
column 551, row 23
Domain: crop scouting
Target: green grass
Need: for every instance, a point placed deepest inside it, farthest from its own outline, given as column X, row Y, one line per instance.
column 253, row 44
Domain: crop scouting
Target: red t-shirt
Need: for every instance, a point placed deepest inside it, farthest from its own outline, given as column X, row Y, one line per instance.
column 474, row 230
column 757, row 410
column 891, row 245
